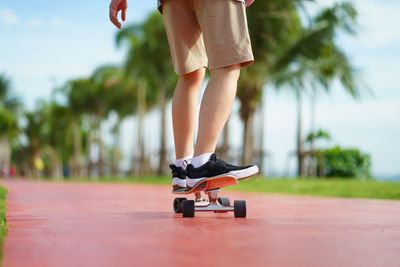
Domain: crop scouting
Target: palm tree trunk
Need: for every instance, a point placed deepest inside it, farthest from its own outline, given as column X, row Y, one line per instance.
column 162, row 166
column 248, row 139
column 141, row 112
column 116, row 152
column 56, row 165
column 5, row 153
column 77, row 166
column 100, row 164
column 300, row 150
column 89, row 141
column 314, row 159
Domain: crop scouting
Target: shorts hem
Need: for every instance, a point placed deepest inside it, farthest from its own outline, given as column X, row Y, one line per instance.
column 187, row 70
column 244, row 62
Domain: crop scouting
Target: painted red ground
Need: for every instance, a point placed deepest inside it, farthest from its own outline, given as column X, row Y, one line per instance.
column 133, row 225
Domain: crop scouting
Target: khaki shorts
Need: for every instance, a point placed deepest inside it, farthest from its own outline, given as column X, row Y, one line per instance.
column 207, row 32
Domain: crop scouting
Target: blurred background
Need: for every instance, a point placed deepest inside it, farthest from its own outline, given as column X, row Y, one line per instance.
column 78, row 98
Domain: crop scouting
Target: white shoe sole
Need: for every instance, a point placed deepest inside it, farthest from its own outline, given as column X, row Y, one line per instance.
column 239, row 175
column 179, row 182
column 243, row 174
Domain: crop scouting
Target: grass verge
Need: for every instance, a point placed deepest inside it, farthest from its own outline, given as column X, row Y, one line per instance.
column 350, row 188
column 3, row 223
column 323, row 187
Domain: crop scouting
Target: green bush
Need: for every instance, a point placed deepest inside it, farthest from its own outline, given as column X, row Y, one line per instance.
column 348, row 163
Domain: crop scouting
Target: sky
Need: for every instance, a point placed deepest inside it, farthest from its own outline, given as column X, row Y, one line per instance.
column 44, row 43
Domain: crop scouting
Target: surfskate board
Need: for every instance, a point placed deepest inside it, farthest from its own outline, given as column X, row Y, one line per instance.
column 210, row 184
column 214, row 203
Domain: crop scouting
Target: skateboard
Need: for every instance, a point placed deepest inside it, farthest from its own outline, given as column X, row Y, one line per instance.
column 214, row 203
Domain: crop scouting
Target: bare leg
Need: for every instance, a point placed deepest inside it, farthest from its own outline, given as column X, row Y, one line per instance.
column 215, row 107
column 184, row 111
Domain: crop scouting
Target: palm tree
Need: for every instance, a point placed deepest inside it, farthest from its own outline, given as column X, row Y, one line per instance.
column 272, row 25
column 33, row 130
column 56, row 133
column 48, row 132
column 159, row 74
column 148, row 61
column 105, row 80
column 133, row 73
column 121, row 99
column 94, row 104
column 9, row 110
column 74, row 91
column 316, row 59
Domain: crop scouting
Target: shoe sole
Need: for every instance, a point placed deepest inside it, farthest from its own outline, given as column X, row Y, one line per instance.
column 210, row 183
column 239, row 175
column 244, row 174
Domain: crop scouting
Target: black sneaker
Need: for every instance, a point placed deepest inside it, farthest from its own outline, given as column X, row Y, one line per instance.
column 178, row 178
column 216, row 167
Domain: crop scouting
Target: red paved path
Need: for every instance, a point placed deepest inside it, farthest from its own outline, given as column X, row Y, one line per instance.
column 133, row 225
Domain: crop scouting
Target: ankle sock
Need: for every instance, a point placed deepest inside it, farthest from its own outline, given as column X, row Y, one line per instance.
column 201, row 159
column 183, row 162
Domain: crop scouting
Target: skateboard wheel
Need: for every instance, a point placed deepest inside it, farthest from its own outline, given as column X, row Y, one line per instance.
column 240, row 208
column 178, row 208
column 224, row 201
column 188, row 208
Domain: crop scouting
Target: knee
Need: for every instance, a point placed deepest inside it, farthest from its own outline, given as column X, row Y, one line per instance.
column 193, row 78
column 233, row 71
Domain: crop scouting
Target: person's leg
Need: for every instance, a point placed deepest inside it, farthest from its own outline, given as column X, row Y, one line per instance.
column 189, row 59
column 215, row 107
column 184, row 111
column 184, row 117
column 228, row 48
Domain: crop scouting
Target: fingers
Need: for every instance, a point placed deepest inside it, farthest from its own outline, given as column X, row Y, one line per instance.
column 114, row 17
column 123, row 16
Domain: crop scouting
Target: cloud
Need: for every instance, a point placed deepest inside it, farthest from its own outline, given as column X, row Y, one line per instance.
column 35, row 23
column 8, row 17
column 58, row 22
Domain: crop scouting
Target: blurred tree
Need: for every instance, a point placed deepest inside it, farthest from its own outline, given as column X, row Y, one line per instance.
column 85, row 106
column 105, row 80
column 129, row 36
column 9, row 110
column 122, row 100
column 56, row 133
column 148, row 61
column 315, row 58
column 272, row 25
column 160, row 75
column 49, row 139
column 74, row 91
column 34, row 134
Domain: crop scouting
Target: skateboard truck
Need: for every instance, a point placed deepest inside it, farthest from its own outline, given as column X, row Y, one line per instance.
column 214, row 204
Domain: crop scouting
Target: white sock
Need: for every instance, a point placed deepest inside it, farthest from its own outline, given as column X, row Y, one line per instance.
column 183, row 162
column 201, row 159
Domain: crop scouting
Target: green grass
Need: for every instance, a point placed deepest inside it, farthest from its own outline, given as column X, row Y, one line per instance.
column 350, row 188
column 323, row 187
column 3, row 223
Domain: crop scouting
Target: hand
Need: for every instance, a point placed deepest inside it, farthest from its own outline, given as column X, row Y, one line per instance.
column 115, row 7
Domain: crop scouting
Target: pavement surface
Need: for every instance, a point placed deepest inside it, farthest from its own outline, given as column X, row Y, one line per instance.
column 56, row 224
